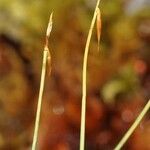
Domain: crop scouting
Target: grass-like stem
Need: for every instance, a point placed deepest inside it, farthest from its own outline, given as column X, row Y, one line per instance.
column 46, row 62
column 133, row 127
column 84, row 81
column 38, row 113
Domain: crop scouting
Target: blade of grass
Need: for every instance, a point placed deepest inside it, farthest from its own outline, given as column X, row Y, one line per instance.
column 133, row 127
column 84, row 78
column 46, row 59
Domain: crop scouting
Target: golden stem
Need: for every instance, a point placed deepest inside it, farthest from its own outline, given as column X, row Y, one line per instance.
column 38, row 113
column 84, row 82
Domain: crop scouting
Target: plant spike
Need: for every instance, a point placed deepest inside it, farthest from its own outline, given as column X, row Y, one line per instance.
column 46, row 60
column 48, row 32
column 84, row 82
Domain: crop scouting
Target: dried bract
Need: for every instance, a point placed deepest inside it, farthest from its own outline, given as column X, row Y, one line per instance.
column 99, row 27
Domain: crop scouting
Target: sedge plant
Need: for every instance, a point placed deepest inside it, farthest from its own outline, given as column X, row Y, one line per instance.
column 46, row 62
column 97, row 17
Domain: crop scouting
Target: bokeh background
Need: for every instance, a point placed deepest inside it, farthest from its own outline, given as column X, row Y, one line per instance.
column 118, row 75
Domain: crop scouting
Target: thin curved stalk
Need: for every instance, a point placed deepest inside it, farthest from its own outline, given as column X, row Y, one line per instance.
column 84, row 80
column 46, row 61
column 133, row 127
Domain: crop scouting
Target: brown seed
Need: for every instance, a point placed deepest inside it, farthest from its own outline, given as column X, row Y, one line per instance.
column 48, row 32
column 99, row 26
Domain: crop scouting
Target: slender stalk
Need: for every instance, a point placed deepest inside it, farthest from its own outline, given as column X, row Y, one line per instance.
column 46, row 61
column 133, row 127
column 84, row 81
column 37, row 121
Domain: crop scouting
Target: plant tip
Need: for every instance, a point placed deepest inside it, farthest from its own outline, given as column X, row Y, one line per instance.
column 50, row 24
column 49, row 29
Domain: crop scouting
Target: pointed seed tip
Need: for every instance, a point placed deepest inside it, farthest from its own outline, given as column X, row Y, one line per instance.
column 51, row 16
column 49, row 28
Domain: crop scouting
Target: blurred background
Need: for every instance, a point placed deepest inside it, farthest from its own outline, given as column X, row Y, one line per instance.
column 118, row 75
